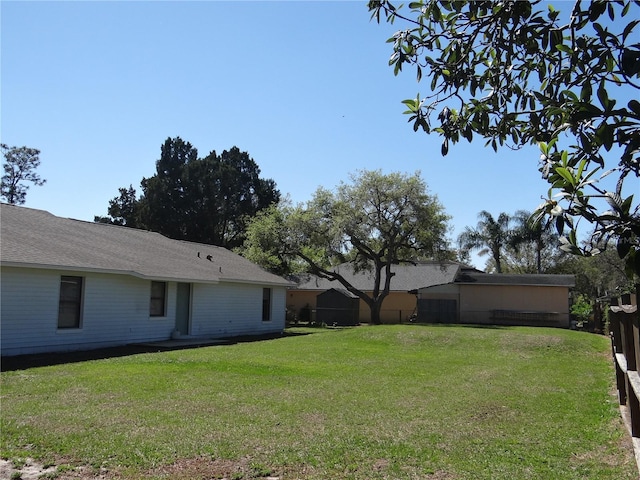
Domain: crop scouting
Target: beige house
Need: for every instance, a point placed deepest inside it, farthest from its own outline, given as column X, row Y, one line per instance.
column 498, row 299
column 446, row 292
column 398, row 307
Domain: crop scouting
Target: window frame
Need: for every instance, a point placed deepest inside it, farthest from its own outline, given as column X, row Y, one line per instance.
column 68, row 303
column 159, row 299
column 266, row 304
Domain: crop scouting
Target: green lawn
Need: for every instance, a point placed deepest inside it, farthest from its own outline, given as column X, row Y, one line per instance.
column 386, row 402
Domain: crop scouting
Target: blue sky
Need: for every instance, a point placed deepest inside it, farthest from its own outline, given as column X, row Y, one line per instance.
column 303, row 87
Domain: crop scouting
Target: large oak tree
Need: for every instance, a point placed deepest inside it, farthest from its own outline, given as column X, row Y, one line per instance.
column 372, row 223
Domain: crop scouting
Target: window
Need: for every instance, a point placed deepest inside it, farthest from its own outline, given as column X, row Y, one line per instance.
column 266, row 304
column 70, row 305
column 158, row 299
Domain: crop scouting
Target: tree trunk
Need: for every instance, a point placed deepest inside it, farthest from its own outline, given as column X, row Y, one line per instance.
column 375, row 313
column 539, row 255
column 498, row 263
column 597, row 318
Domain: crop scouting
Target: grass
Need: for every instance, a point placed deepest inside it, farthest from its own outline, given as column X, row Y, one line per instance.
column 387, row 402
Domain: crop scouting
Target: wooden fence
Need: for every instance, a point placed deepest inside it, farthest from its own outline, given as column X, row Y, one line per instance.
column 624, row 327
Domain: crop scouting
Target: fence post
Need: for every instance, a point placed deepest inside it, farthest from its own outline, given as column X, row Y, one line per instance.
column 628, row 337
column 629, row 331
column 616, row 348
column 635, row 327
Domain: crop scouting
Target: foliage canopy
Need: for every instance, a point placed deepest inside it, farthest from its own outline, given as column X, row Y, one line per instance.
column 20, row 165
column 204, row 200
column 518, row 73
column 372, row 223
column 489, row 236
column 515, row 243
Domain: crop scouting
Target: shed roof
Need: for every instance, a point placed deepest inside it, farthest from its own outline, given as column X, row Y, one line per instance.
column 342, row 291
column 406, row 278
column 38, row 239
column 516, row 279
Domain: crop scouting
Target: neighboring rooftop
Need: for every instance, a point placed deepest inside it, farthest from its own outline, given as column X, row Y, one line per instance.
column 407, row 276
column 37, row 239
column 516, row 279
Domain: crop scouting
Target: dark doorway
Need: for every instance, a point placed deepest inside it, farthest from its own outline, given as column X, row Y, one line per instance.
column 183, row 308
column 437, row 310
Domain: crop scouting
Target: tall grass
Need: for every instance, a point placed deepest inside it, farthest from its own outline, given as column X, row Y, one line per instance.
column 386, row 402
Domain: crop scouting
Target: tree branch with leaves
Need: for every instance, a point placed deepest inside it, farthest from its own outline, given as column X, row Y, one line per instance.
column 519, row 73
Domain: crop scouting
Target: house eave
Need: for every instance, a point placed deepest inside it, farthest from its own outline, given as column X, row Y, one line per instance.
column 512, row 284
column 131, row 273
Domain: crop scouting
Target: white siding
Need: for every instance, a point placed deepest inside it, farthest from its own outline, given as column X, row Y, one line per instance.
column 231, row 309
column 116, row 311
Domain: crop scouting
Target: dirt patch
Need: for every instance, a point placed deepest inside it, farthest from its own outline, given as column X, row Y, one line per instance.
column 205, row 468
column 29, row 470
column 199, row 468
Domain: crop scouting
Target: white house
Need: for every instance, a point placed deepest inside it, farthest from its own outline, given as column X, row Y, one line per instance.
column 75, row 285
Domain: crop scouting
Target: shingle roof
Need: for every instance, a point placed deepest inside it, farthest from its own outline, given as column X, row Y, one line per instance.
column 36, row 238
column 343, row 292
column 406, row 278
column 516, row 279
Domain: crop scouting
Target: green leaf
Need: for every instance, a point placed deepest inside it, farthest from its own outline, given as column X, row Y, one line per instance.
column 632, row 264
column 445, row 147
column 630, row 62
column 566, row 175
column 544, row 148
column 559, row 224
column 564, row 157
column 468, row 133
column 585, row 93
column 572, row 96
column 436, row 15
column 555, row 38
column 572, row 237
column 623, row 246
column 412, row 104
column 603, row 96
column 614, row 200
column 605, row 135
column 626, row 205
column 596, row 9
column 581, row 166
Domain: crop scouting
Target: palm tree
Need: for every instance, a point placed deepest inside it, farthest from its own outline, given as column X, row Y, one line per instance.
column 489, row 236
column 530, row 231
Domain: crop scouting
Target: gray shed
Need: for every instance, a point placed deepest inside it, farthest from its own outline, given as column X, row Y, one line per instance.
column 337, row 307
